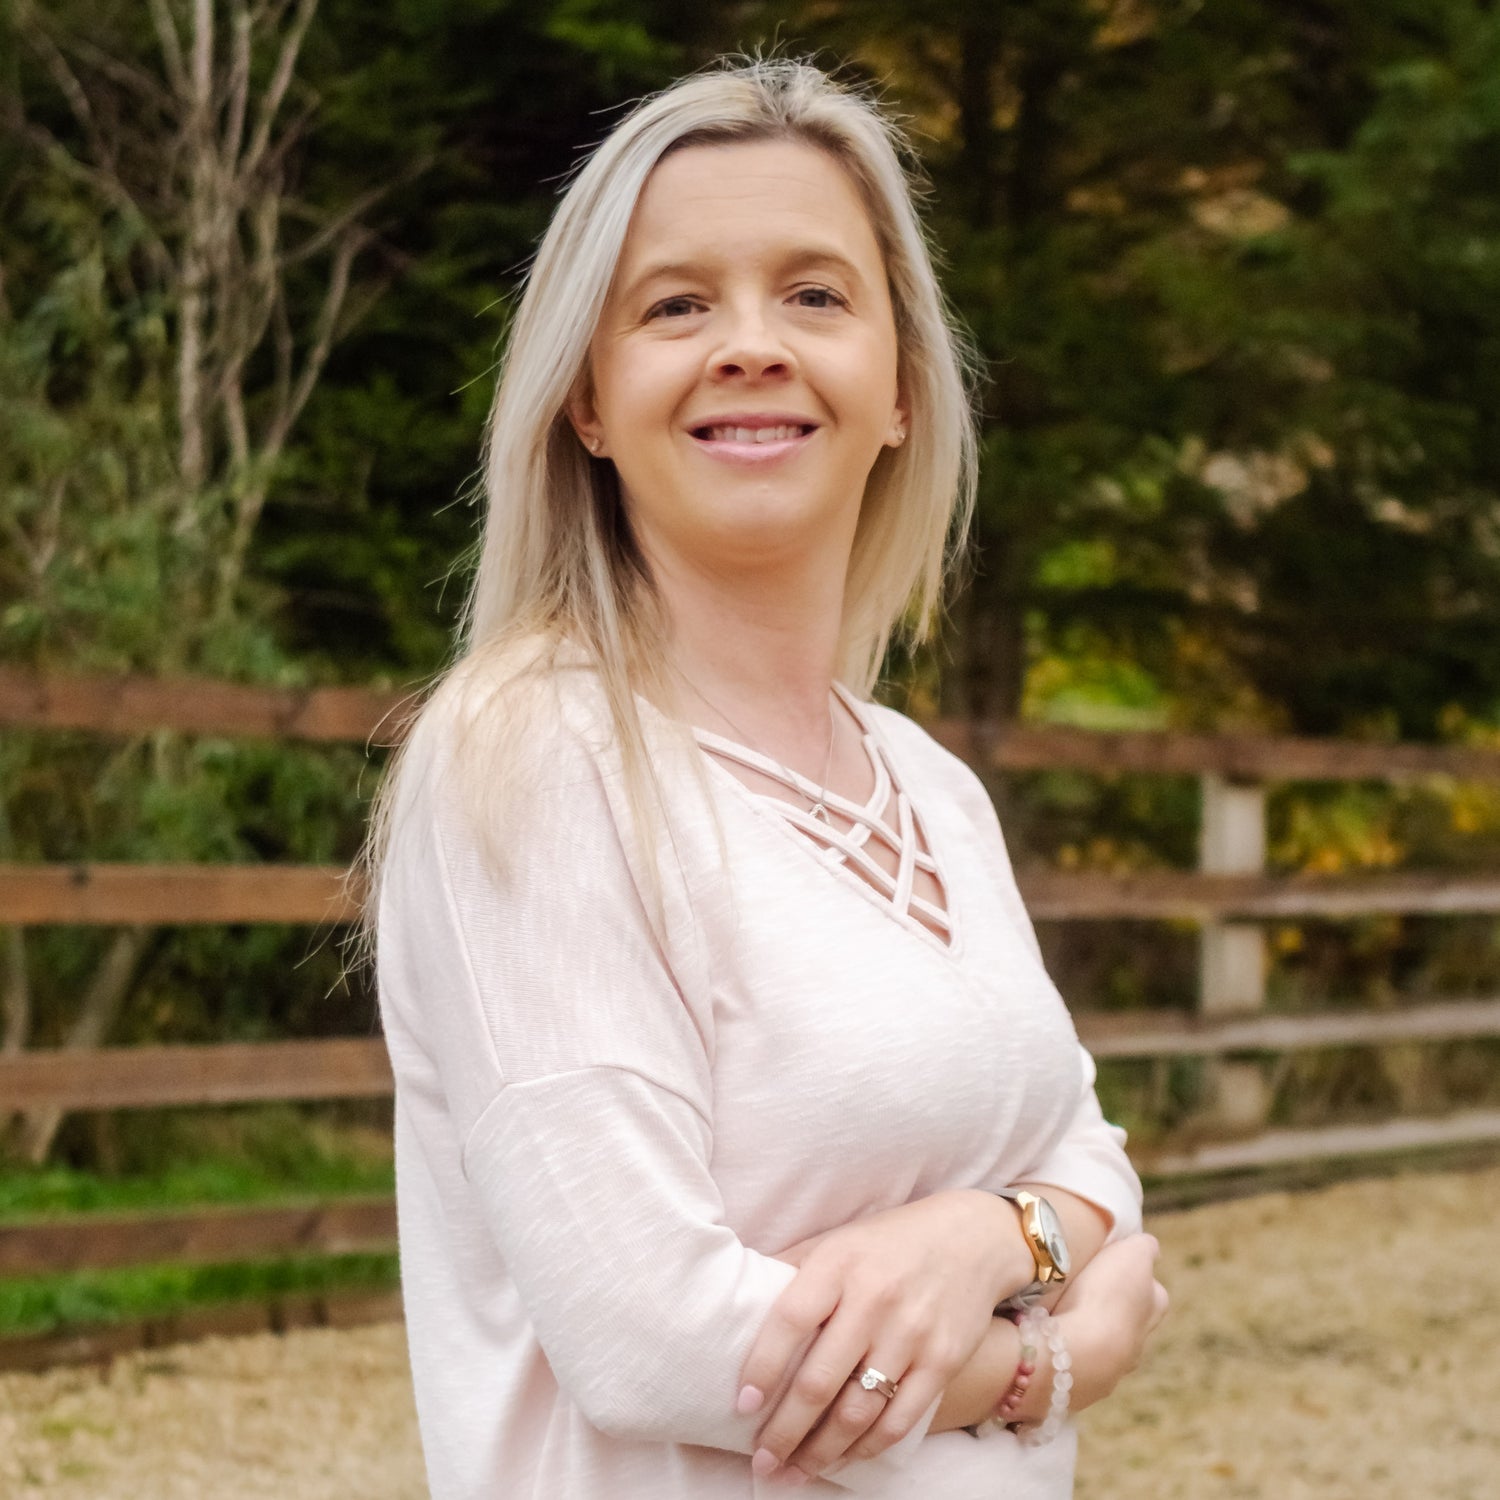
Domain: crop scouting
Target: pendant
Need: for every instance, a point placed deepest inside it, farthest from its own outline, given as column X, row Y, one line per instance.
column 818, row 811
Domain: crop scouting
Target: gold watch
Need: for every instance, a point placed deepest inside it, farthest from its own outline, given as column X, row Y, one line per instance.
column 1049, row 1246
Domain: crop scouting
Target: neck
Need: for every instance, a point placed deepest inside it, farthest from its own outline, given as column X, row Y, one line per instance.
column 762, row 648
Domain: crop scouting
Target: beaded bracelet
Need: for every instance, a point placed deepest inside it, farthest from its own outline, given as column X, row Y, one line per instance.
column 1020, row 1381
column 1062, row 1378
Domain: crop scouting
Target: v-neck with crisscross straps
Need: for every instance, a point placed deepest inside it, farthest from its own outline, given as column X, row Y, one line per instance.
column 612, row 1113
column 870, row 820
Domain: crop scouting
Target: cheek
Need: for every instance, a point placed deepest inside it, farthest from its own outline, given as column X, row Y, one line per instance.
column 868, row 378
column 649, row 395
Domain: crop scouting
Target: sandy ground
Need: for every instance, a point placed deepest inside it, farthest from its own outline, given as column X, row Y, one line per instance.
column 1343, row 1344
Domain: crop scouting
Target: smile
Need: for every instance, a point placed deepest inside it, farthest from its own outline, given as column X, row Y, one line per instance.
column 729, row 434
column 752, row 445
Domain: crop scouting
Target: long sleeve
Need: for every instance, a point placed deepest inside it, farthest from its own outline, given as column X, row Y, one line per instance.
column 575, row 1056
column 1089, row 1159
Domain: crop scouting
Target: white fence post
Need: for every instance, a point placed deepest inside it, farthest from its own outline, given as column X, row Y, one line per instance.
column 1232, row 955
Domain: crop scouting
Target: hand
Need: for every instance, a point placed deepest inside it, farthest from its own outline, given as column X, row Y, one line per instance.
column 910, row 1291
column 1108, row 1312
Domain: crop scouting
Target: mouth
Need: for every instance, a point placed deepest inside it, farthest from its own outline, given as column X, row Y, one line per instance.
column 730, row 434
column 753, row 446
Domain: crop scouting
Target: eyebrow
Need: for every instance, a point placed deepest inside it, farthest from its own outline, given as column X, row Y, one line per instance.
column 810, row 255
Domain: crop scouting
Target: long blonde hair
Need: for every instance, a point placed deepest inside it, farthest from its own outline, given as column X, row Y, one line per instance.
column 557, row 562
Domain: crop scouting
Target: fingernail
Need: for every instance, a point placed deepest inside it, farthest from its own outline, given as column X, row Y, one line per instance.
column 752, row 1398
column 764, row 1461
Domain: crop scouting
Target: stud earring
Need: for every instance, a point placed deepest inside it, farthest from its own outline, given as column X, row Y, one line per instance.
column 594, row 445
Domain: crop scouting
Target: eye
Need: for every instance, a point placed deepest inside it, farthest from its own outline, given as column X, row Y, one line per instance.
column 834, row 300
column 672, row 307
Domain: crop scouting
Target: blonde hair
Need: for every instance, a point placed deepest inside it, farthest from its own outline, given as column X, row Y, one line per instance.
column 557, row 563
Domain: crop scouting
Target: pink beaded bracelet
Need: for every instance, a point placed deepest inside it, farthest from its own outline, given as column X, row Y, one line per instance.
column 1062, row 1378
column 1020, row 1381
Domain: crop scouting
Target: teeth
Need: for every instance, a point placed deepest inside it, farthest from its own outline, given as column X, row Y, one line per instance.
column 752, row 434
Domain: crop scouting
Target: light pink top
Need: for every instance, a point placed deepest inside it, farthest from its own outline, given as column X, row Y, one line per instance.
column 603, row 1137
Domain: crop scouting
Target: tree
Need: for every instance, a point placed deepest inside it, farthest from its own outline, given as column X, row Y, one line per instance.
column 1196, row 246
column 158, row 360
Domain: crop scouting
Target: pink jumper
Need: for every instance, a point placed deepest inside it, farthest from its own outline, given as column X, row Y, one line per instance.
column 605, row 1131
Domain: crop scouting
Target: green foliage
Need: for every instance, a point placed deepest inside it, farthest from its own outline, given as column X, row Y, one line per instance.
column 45, row 1304
column 185, row 1160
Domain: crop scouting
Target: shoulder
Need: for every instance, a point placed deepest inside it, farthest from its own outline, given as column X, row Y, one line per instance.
column 508, row 748
column 513, row 717
column 521, row 753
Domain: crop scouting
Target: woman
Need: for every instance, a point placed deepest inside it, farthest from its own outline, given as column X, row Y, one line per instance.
column 717, row 1024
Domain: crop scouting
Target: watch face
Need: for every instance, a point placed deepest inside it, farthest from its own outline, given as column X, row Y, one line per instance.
column 1052, row 1233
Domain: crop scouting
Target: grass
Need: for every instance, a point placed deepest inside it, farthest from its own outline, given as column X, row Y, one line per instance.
column 66, row 1190
column 48, row 1304
column 262, row 1155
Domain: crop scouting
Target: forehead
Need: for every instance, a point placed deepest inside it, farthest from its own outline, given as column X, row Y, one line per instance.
column 712, row 205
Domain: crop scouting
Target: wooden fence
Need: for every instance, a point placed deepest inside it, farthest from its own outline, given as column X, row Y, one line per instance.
column 1228, row 896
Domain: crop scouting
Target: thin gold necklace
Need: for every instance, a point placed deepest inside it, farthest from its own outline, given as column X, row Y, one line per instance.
column 819, row 809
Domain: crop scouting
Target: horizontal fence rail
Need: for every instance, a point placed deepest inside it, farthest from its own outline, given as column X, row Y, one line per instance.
column 158, row 1077
column 140, row 705
column 108, row 894
column 1154, row 1034
column 1279, row 1148
column 1196, row 896
column 1024, row 747
column 97, row 1344
column 204, row 1236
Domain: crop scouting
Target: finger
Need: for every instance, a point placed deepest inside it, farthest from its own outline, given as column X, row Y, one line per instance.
column 816, row 1385
column 857, row 1428
column 804, row 1304
column 1161, row 1301
column 855, row 1410
column 914, row 1395
column 853, row 1413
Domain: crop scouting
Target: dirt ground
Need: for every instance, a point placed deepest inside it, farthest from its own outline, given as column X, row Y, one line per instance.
column 1343, row 1344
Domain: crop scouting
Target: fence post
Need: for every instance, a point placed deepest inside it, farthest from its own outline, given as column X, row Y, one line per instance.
column 1232, row 955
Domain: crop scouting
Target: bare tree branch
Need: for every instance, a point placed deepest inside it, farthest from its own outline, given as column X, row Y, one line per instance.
column 171, row 49
column 101, row 1005
column 284, row 346
column 238, row 88
column 317, row 242
column 327, row 326
column 281, row 80
column 202, row 81
column 138, row 80
column 56, row 63
column 252, row 498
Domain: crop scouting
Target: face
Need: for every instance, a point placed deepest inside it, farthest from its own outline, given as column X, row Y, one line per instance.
column 744, row 371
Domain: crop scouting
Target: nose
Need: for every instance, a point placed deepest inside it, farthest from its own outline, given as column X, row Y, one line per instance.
column 751, row 345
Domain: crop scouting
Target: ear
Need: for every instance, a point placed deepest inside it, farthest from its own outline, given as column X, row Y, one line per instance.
column 900, row 422
column 585, row 418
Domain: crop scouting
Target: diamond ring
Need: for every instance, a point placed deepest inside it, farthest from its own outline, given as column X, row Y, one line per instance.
column 873, row 1380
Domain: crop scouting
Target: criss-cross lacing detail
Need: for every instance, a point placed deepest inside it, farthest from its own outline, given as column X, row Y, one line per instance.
column 849, row 846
